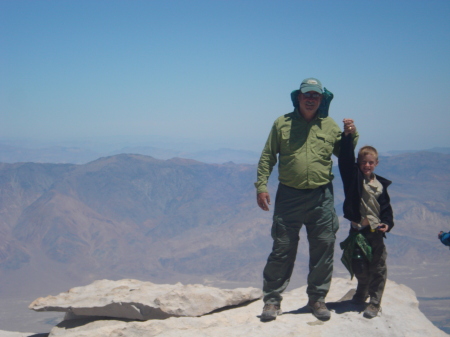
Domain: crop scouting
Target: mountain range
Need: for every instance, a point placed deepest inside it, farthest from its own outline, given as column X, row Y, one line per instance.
column 82, row 152
column 75, row 153
column 134, row 216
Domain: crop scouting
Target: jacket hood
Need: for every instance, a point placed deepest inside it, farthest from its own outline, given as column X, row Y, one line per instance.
column 327, row 97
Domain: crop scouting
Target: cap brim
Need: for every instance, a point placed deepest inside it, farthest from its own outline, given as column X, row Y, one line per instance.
column 311, row 88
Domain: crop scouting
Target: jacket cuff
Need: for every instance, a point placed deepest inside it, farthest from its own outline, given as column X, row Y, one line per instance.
column 261, row 188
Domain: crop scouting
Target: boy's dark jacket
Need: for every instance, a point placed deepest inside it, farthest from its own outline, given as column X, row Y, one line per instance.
column 353, row 178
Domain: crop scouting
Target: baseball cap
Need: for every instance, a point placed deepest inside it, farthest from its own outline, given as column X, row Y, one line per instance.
column 311, row 84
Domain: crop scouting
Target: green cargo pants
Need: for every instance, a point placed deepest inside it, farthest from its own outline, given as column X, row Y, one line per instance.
column 315, row 209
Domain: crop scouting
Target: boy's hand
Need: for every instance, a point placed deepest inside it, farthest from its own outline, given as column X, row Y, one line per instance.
column 349, row 127
column 383, row 227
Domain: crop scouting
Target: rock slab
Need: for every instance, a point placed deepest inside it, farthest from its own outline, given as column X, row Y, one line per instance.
column 137, row 300
column 400, row 317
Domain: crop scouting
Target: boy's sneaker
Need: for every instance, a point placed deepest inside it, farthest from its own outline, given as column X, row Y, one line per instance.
column 320, row 310
column 372, row 310
column 270, row 312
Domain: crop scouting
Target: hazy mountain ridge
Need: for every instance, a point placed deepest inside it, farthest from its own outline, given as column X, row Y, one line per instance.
column 84, row 152
column 50, row 154
column 137, row 199
column 182, row 220
column 82, row 155
column 125, row 201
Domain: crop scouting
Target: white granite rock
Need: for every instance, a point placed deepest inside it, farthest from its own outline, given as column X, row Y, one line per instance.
column 133, row 299
column 16, row 334
column 400, row 317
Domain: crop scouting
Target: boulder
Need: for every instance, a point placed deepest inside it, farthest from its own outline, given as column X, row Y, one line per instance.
column 400, row 316
column 20, row 334
column 137, row 300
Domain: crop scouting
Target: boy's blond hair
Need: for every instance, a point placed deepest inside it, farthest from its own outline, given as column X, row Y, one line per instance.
column 365, row 150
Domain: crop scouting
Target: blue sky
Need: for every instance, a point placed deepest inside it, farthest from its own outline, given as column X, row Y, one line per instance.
column 218, row 73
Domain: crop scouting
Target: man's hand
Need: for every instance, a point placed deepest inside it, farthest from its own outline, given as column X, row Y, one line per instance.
column 349, row 127
column 263, row 200
column 383, row 227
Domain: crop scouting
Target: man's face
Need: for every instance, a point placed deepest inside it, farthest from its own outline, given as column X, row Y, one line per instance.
column 309, row 102
column 367, row 164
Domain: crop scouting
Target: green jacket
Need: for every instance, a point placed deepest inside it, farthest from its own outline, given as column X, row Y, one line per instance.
column 348, row 246
column 304, row 151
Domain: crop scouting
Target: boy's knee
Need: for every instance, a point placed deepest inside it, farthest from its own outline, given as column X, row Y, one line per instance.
column 360, row 269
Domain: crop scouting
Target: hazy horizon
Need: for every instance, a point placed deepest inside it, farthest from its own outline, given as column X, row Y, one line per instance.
column 82, row 152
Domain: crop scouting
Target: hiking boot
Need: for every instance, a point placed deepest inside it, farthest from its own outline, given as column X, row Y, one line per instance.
column 270, row 312
column 320, row 310
column 372, row 310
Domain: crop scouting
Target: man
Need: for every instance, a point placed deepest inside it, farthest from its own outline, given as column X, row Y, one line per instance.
column 304, row 142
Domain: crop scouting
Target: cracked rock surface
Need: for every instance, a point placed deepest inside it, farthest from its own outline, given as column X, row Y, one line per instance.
column 137, row 300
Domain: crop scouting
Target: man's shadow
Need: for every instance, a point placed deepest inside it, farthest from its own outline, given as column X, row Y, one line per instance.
column 343, row 305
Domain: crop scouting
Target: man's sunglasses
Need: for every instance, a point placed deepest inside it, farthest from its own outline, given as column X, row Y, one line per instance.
column 309, row 95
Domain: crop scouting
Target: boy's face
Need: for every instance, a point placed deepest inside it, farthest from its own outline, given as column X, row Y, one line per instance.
column 367, row 164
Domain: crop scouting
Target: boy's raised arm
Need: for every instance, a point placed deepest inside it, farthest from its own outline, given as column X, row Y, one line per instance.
column 346, row 158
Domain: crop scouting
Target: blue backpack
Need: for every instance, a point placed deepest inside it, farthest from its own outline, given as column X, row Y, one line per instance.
column 445, row 238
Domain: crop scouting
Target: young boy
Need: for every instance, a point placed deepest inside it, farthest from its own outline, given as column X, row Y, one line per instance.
column 367, row 206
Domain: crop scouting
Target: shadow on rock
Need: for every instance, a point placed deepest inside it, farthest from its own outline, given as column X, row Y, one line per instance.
column 75, row 323
column 339, row 307
column 345, row 304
